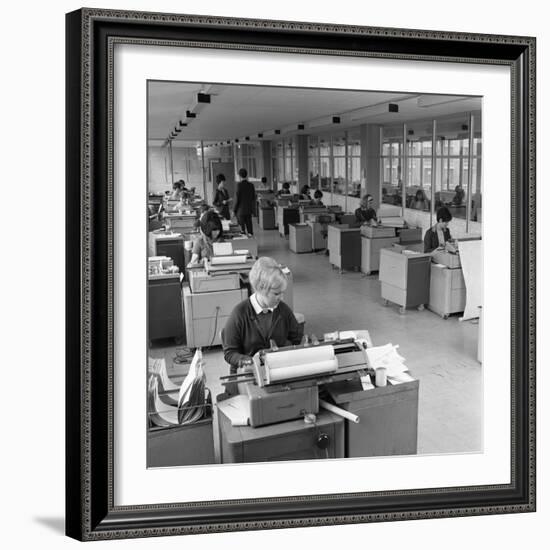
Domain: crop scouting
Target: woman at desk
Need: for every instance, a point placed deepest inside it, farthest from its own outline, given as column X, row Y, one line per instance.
column 458, row 199
column 366, row 213
column 420, row 202
column 260, row 318
column 221, row 199
column 304, row 193
column 317, row 198
column 210, row 232
column 439, row 234
column 285, row 190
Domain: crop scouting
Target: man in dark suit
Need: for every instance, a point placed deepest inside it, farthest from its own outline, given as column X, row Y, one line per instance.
column 245, row 197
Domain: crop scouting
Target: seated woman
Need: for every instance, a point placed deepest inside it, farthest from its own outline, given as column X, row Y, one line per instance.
column 420, row 202
column 458, row 199
column 210, row 232
column 439, row 234
column 260, row 318
column 221, row 199
column 317, row 196
column 177, row 192
column 285, row 190
column 304, row 193
column 366, row 213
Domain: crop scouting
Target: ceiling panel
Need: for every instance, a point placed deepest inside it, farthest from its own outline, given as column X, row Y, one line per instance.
column 237, row 111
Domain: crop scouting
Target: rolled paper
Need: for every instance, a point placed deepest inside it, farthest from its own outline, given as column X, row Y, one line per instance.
column 296, row 357
column 340, row 412
column 223, row 260
column 308, row 369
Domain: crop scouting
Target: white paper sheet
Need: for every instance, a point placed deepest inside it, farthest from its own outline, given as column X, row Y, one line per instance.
column 471, row 259
column 222, row 249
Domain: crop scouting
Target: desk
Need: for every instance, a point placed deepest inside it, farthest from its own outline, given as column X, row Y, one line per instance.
column 185, row 445
column 206, row 314
column 388, row 417
column 370, row 252
column 292, row 440
column 344, row 245
column 165, row 315
column 311, row 212
column 405, row 278
column 168, row 244
column 318, row 235
column 286, row 215
column 447, row 290
column 266, row 217
column 299, row 237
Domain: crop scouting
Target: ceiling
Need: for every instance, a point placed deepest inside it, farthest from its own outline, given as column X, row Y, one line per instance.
column 235, row 112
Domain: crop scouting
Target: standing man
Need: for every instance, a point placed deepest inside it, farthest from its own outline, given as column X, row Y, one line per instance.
column 245, row 196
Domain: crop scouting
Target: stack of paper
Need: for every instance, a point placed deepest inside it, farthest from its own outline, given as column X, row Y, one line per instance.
column 388, row 358
column 392, row 221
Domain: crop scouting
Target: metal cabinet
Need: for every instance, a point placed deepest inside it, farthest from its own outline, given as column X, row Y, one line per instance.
column 388, row 417
column 405, row 278
column 447, row 290
column 206, row 314
column 344, row 246
column 370, row 252
column 164, row 300
column 299, row 237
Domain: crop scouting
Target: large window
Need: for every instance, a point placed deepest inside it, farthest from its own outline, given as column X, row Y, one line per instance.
column 456, row 176
column 325, row 162
column 280, row 162
column 313, row 161
column 248, row 157
column 419, row 167
column 354, row 163
column 339, row 182
column 290, row 160
column 453, row 168
column 392, row 161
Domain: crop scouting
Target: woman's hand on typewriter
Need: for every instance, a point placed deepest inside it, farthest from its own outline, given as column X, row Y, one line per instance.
column 246, row 364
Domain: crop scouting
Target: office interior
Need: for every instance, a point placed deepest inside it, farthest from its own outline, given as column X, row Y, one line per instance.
column 397, row 147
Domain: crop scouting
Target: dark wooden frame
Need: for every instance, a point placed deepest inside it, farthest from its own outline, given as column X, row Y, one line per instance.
column 90, row 512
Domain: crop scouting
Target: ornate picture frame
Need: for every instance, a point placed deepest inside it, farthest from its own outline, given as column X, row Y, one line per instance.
column 90, row 507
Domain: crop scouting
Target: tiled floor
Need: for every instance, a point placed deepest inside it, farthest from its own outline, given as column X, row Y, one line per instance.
column 441, row 354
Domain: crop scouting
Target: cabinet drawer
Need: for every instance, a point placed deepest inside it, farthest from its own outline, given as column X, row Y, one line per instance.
column 393, row 269
column 457, row 278
column 394, row 294
column 457, row 300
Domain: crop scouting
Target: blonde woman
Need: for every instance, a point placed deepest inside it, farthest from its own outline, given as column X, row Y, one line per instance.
column 261, row 318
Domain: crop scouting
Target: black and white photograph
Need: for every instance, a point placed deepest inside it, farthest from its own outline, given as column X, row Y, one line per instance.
column 315, row 273
column 241, row 322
